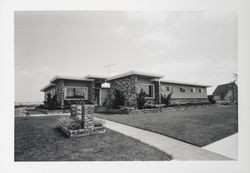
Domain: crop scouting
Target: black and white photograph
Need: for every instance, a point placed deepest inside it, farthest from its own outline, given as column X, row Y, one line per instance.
column 125, row 86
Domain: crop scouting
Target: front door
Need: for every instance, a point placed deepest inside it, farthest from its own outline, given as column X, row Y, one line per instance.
column 97, row 96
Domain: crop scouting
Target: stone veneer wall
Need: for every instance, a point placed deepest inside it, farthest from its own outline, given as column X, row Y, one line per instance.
column 127, row 85
column 84, row 113
column 91, row 92
column 60, row 92
column 183, row 101
column 60, row 87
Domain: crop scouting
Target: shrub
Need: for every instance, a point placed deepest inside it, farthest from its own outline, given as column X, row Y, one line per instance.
column 166, row 100
column 141, row 99
column 75, row 123
column 211, row 99
column 98, row 123
column 119, row 99
column 51, row 103
column 70, row 123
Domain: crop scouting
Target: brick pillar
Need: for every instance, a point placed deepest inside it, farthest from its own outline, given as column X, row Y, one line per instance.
column 88, row 116
column 85, row 113
column 76, row 111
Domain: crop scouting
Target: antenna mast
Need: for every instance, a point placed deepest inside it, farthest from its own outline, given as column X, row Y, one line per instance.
column 108, row 66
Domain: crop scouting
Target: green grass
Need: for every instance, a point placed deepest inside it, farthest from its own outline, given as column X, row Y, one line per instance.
column 38, row 139
column 199, row 126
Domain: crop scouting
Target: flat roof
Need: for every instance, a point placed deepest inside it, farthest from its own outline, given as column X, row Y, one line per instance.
column 70, row 78
column 135, row 73
column 184, row 83
column 47, row 86
column 96, row 77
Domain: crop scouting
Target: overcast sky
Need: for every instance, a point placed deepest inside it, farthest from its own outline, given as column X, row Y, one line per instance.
column 183, row 46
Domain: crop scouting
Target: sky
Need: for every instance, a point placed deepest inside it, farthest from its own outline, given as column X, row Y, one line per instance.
column 188, row 46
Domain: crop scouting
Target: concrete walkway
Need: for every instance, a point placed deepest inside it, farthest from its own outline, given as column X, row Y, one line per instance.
column 227, row 146
column 178, row 149
column 44, row 115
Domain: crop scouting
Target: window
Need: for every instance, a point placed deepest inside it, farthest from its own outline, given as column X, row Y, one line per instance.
column 182, row 90
column 148, row 89
column 168, row 88
column 200, row 90
column 192, row 90
column 76, row 93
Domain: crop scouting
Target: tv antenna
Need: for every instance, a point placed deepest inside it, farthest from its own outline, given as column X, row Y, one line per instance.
column 108, row 66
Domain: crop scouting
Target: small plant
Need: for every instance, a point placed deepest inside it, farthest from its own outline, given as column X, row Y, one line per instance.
column 119, row 99
column 98, row 123
column 71, row 124
column 141, row 99
column 211, row 99
column 166, row 100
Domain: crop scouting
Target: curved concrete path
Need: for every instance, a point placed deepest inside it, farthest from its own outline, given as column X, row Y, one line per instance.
column 178, row 149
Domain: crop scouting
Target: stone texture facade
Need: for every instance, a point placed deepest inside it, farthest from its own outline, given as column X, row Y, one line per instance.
column 86, row 114
column 184, row 101
column 60, row 92
column 127, row 86
column 91, row 92
column 60, row 89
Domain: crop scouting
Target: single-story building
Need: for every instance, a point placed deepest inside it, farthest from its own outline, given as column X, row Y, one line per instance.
column 68, row 90
column 91, row 89
column 132, row 82
column 227, row 92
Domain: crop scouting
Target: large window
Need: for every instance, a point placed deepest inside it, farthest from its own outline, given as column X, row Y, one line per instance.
column 148, row 89
column 76, row 93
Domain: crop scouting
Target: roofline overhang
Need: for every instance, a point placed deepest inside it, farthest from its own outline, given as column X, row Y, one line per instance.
column 184, row 83
column 95, row 77
column 129, row 73
column 69, row 78
column 47, row 86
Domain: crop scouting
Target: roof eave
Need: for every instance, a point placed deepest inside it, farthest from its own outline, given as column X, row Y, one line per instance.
column 47, row 86
column 134, row 73
column 68, row 78
column 190, row 84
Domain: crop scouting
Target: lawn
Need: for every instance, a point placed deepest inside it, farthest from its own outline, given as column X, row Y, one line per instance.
column 38, row 139
column 199, row 126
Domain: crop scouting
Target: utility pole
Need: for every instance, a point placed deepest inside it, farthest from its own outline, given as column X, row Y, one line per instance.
column 108, row 66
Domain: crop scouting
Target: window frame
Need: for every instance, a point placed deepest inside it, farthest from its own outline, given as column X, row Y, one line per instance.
column 168, row 87
column 193, row 90
column 200, row 90
column 153, row 90
column 181, row 89
column 65, row 93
